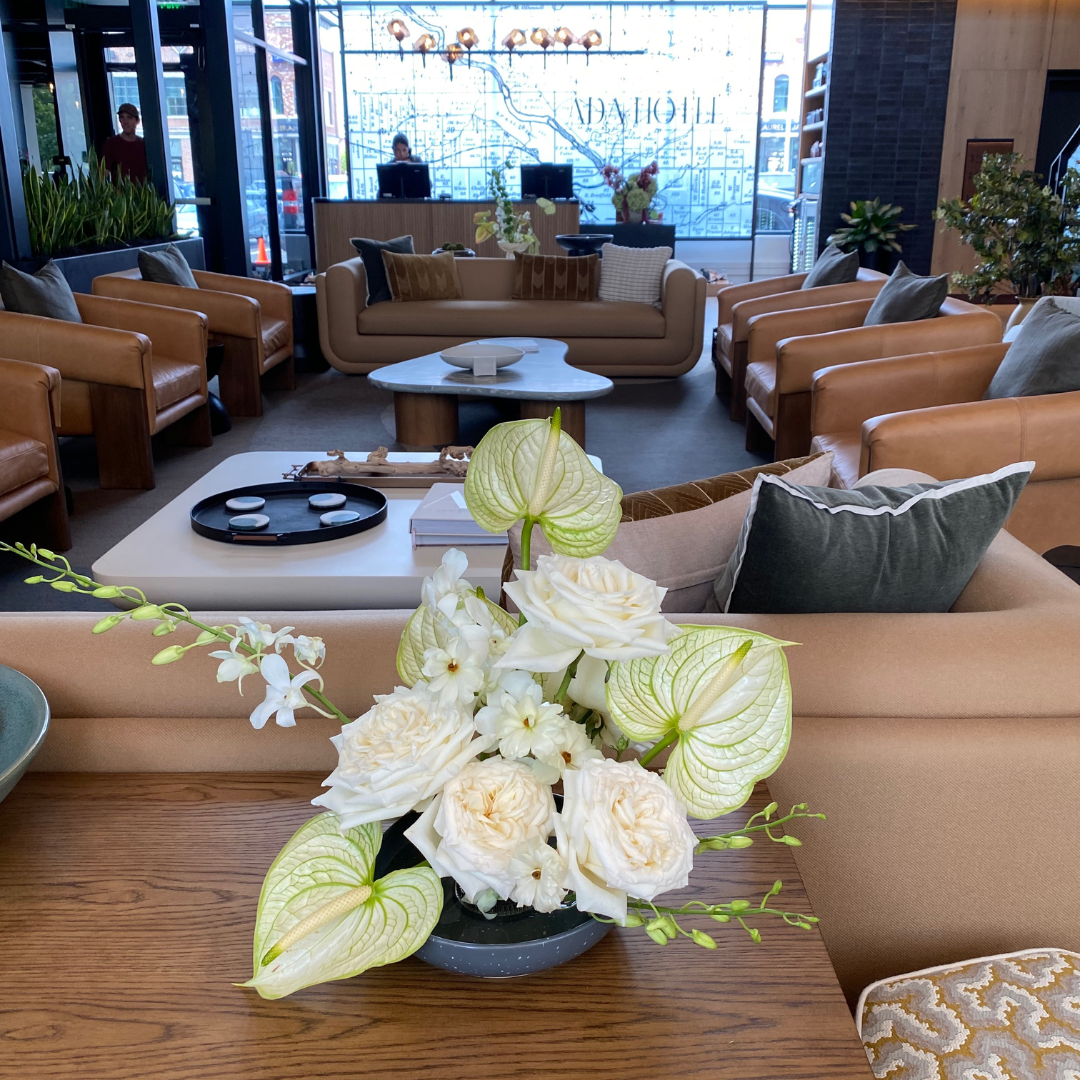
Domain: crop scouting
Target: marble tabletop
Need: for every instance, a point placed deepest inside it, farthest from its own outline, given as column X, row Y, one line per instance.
column 543, row 375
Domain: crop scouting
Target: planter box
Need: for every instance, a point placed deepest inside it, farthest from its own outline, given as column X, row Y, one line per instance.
column 80, row 270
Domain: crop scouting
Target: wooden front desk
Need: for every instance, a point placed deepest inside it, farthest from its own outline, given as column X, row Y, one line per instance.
column 432, row 222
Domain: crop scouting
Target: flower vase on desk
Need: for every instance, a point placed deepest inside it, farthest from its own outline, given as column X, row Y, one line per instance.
column 512, row 248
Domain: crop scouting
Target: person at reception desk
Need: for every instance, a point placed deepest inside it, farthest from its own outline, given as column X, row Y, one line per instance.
column 402, row 150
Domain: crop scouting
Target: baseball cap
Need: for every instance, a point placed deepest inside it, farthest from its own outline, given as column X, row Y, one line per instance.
column 128, row 108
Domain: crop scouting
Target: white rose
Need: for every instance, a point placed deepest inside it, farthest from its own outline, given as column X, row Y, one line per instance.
column 397, row 756
column 539, row 874
column 485, row 816
column 595, row 605
column 622, row 831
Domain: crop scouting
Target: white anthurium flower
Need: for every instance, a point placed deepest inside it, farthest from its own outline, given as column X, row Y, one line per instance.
column 309, row 651
column 622, row 832
column 539, row 874
column 454, row 673
column 489, row 812
column 398, row 755
column 283, row 695
column 234, row 664
column 594, row 605
column 260, row 635
column 524, row 723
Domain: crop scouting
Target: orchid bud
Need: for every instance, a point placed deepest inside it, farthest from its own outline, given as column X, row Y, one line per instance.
column 633, row 920
column 107, row 623
column 739, row 905
column 164, row 628
column 769, row 810
column 740, row 841
column 792, row 841
column 719, row 916
column 64, row 586
column 106, row 592
column 146, row 611
column 657, row 935
column 37, row 579
column 703, row 939
column 167, row 656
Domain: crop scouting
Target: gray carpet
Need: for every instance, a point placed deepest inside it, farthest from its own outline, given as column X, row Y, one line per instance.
column 648, row 433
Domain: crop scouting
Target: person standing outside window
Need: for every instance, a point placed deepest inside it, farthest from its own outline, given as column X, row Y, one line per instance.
column 402, row 150
column 125, row 154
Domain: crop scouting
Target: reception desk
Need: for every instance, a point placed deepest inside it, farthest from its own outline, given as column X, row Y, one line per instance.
column 432, row 222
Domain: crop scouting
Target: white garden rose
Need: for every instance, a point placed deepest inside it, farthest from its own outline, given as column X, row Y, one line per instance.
column 396, row 756
column 595, row 605
column 622, row 831
column 485, row 816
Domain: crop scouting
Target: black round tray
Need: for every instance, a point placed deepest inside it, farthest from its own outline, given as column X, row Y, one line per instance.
column 292, row 521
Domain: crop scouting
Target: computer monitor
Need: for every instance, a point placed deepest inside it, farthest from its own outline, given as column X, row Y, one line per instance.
column 547, row 181
column 404, row 180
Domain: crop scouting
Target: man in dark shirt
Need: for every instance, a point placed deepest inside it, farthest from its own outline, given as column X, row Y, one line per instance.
column 125, row 154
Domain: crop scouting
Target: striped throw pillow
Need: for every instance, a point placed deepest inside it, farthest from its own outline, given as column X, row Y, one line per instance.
column 555, row 277
column 632, row 275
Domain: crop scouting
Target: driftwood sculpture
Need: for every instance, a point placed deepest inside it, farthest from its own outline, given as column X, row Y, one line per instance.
column 452, row 461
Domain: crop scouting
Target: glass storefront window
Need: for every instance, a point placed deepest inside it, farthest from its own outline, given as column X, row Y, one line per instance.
column 251, row 147
column 333, row 104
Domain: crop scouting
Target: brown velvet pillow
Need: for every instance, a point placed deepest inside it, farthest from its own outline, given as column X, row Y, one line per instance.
column 556, row 277
column 422, row 277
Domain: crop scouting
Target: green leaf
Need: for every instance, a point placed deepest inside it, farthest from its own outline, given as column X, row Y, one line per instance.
column 316, row 867
column 723, row 694
column 531, row 468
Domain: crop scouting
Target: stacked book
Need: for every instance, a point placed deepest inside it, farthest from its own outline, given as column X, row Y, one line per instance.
column 443, row 520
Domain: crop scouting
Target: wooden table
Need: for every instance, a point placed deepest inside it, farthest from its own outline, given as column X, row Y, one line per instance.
column 126, row 911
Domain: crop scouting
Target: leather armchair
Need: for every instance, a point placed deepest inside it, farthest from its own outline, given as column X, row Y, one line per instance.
column 129, row 371
column 31, row 484
column 738, row 304
column 926, row 412
column 251, row 317
column 786, row 348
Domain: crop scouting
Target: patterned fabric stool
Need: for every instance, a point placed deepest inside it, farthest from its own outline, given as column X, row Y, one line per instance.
column 1009, row 1017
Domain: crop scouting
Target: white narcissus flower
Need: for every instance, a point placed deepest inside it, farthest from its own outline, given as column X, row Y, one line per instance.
column 593, row 605
column 283, row 695
column 259, row 634
column 483, row 817
column 396, row 756
column 309, row 651
column 622, row 831
column 234, row 664
column 572, row 750
column 453, row 673
column 524, row 723
column 539, row 874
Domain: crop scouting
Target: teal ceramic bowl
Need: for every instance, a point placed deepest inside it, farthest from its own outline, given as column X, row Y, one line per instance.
column 24, row 719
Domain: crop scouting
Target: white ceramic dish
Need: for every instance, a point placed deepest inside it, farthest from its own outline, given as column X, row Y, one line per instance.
column 462, row 356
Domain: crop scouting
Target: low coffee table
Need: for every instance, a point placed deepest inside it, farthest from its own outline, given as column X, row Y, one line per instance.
column 426, row 391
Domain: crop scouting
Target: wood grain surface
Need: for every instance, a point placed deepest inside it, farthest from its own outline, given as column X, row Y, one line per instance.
column 126, row 912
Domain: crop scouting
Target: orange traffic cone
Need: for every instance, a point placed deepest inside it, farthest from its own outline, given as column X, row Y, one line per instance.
column 261, row 258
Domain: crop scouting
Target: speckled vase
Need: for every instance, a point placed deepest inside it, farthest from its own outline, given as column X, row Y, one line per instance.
column 24, row 719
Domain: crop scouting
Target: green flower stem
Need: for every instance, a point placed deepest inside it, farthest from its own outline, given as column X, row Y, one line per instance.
column 567, row 679
column 172, row 610
column 663, row 744
column 526, row 541
column 766, row 826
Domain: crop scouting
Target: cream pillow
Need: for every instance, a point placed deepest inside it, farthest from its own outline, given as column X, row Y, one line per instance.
column 685, row 552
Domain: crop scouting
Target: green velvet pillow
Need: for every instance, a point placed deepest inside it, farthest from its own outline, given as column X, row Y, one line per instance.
column 1044, row 357
column 166, row 266
column 46, row 293
column 907, row 297
column 832, row 267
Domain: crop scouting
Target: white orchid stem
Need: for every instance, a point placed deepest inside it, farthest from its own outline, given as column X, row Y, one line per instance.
column 720, row 683
column 340, row 905
column 545, row 472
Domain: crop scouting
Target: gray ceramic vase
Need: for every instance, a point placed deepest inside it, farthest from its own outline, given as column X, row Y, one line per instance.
column 24, row 719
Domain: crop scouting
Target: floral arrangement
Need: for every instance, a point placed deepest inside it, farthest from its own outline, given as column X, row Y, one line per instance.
column 512, row 229
column 492, row 712
column 633, row 196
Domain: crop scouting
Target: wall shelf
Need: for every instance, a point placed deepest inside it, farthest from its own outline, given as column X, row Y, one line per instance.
column 817, row 91
column 819, row 126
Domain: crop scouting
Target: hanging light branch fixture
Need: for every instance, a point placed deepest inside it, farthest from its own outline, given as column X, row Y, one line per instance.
column 542, row 38
column 453, row 54
column 424, row 44
column 590, row 40
column 397, row 28
column 514, row 40
column 468, row 38
column 565, row 37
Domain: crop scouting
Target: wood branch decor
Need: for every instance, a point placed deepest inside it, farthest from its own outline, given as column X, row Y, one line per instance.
column 452, row 463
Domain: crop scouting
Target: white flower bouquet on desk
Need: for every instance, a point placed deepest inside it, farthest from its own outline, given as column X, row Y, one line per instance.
column 495, row 712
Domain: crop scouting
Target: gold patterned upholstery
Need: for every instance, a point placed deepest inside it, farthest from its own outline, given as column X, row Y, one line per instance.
column 422, row 277
column 556, row 277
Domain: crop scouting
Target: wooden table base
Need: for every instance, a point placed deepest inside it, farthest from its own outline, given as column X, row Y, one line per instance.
column 432, row 419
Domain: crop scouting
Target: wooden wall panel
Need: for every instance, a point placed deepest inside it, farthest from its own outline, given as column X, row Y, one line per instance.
column 1065, row 43
column 430, row 223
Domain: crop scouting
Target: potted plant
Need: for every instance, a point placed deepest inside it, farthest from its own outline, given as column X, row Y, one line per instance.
column 632, row 198
column 459, row 251
column 871, row 228
column 511, row 228
column 1024, row 234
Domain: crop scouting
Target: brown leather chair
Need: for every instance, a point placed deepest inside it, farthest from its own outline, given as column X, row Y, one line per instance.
column 252, row 318
column 926, row 412
column 738, row 304
column 31, row 484
column 129, row 371
column 782, row 365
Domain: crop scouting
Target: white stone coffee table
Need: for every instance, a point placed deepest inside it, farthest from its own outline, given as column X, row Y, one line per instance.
column 426, row 392
column 378, row 568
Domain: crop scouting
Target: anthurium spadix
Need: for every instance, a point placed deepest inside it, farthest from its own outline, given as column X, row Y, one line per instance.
column 323, row 916
column 532, row 471
column 723, row 698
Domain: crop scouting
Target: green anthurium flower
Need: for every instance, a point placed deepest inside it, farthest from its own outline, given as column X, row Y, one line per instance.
column 323, row 916
column 532, row 471
column 723, row 697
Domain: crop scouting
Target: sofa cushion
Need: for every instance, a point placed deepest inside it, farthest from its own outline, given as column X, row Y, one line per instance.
column 761, row 385
column 167, row 267
column 513, row 318
column 275, row 335
column 1044, row 357
column 832, row 267
column 633, row 275
column 846, row 449
column 556, row 277
column 1008, row 1015
column 45, row 293
column 907, row 297
column 876, row 549
column 22, row 460
column 174, row 380
column 370, row 251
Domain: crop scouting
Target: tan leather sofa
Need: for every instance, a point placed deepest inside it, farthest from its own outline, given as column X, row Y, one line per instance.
column 926, row 412
column 128, row 370
column 605, row 337
column 943, row 748
column 252, row 318
column 738, row 304
column 786, row 348
column 31, row 483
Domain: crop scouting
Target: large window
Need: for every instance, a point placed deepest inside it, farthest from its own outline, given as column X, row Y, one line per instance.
column 676, row 82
